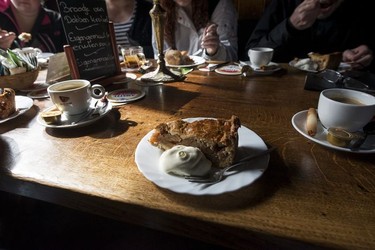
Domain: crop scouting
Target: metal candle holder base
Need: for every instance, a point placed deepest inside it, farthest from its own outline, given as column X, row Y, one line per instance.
column 162, row 73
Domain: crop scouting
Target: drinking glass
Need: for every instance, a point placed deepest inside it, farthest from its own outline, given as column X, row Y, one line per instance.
column 134, row 57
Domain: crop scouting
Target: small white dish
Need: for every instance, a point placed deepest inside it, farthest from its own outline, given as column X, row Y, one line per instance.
column 275, row 67
column 231, row 69
column 79, row 120
column 197, row 61
column 23, row 104
column 125, row 95
column 147, row 158
column 38, row 94
column 299, row 121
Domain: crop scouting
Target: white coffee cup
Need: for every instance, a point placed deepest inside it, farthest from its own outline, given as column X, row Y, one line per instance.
column 260, row 56
column 346, row 109
column 74, row 96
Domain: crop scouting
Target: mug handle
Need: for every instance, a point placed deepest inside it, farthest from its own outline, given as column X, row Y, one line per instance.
column 97, row 91
column 37, row 51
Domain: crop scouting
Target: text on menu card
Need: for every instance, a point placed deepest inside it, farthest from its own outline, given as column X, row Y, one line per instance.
column 86, row 27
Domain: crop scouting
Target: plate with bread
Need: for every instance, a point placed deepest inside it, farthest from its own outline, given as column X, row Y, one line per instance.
column 13, row 105
column 201, row 133
column 181, row 59
column 316, row 62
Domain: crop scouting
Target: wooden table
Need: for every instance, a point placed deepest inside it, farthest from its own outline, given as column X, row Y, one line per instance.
column 310, row 195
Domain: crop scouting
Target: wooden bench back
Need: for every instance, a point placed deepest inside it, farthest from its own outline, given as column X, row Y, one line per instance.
column 250, row 9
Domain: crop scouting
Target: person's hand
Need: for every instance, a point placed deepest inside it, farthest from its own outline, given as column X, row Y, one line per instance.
column 210, row 40
column 6, row 39
column 359, row 57
column 305, row 14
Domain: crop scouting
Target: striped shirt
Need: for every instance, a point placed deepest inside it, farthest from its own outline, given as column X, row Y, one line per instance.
column 122, row 29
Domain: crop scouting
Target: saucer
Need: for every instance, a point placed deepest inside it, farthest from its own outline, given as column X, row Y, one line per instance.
column 38, row 85
column 38, row 94
column 125, row 95
column 299, row 120
column 275, row 67
column 229, row 70
column 92, row 115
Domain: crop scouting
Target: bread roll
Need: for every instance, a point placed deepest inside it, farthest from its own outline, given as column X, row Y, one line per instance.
column 177, row 57
column 173, row 57
column 326, row 61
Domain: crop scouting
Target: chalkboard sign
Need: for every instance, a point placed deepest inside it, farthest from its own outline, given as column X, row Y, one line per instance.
column 87, row 31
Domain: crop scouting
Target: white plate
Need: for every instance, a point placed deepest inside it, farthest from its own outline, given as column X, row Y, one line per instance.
column 69, row 121
column 23, row 104
column 36, row 86
column 38, row 94
column 197, row 61
column 260, row 71
column 147, row 158
column 291, row 63
column 299, row 121
column 229, row 70
column 342, row 67
column 125, row 95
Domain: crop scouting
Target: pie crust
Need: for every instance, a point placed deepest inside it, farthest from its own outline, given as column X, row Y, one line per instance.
column 216, row 138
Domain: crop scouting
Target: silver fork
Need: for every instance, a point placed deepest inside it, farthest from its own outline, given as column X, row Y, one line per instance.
column 217, row 176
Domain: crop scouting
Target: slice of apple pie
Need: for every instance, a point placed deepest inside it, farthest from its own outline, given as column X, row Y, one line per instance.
column 216, row 138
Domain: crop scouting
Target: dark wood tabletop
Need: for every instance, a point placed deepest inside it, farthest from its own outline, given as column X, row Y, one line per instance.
column 309, row 196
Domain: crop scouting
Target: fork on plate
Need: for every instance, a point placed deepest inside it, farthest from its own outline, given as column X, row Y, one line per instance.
column 219, row 175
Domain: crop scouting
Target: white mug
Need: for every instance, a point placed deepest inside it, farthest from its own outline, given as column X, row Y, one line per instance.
column 346, row 109
column 260, row 56
column 73, row 97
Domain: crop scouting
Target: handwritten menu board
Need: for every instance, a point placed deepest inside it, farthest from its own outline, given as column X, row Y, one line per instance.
column 86, row 27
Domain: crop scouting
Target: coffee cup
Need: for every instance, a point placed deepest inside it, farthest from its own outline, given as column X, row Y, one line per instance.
column 134, row 57
column 260, row 56
column 346, row 109
column 73, row 97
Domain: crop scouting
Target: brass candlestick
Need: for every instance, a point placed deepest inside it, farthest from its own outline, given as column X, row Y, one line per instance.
column 162, row 73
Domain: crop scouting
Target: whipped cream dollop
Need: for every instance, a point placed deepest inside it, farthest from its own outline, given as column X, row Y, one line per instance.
column 182, row 160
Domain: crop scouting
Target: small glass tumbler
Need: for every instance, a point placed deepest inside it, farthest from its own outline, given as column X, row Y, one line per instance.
column 134, row 58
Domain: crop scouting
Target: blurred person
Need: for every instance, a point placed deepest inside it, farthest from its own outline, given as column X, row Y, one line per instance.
column 132, row 23
column 192, row 25
column 29, row 16
column 293, row 28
